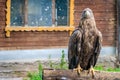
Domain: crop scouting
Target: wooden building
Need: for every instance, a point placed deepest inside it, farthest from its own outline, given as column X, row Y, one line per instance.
column 41, row 24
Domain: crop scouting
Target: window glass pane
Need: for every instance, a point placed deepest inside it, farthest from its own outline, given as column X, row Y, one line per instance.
column 62, row 12
column 39, row 13
column 17, row 12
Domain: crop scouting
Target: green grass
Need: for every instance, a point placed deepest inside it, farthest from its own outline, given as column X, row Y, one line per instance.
column 99, row 67
column 109, row 69
column 113, row 69
column 35, row 75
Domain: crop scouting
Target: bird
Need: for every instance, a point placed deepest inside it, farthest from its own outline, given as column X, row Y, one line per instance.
column 84, row 44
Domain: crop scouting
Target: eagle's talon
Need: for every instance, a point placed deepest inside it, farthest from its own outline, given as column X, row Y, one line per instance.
column 78, row 69
column 92, row 71
column 93, row 74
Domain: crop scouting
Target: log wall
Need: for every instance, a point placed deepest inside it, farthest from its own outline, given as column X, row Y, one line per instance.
column 105, row 15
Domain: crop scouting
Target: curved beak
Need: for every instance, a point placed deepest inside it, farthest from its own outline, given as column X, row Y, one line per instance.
column 87, row 14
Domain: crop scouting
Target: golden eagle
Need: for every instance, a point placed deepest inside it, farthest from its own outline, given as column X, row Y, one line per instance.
column 85, row 44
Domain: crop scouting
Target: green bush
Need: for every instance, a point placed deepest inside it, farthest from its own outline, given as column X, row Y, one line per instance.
column 62, row 65
column 36, row 75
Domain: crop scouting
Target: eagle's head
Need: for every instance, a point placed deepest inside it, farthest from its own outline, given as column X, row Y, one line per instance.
column 87, row 19
column 87, row 14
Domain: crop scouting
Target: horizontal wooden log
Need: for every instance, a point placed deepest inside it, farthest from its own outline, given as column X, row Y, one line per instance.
column 29, row 47
column 98, row 15
column 95, row 1
column 95, row 6
column 49, row 74
column 100, row 21
column 39, row 34
column 37, row 43
column 2, row 0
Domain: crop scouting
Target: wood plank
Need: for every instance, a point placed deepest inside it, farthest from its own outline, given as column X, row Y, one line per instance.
column 82, row 8
column 30, row 39
column 109, row 34
column 2, row 13
column 39, row 34
column 110, row 38
column 109, row 43
column 95, row 6
column 99, row 15
column 30, row 47
column 33, row 42
column 95, row 1
column 2, row 0
column 99, row 22
column 34, row 39
column 98, row 18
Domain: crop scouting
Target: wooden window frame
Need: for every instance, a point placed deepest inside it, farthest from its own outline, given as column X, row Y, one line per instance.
column 69, row 28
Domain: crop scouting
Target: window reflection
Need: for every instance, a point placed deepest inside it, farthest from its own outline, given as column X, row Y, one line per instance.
column 39, row 13
column 62, row 12
column 17, row 12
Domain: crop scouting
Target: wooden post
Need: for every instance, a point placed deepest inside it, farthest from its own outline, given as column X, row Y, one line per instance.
column 118, row 29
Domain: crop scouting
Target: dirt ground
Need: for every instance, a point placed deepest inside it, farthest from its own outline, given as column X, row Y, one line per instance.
column 20, row 69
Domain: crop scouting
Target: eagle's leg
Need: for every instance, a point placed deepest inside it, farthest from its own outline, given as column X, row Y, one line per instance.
column 78, row 69
column 92, row 71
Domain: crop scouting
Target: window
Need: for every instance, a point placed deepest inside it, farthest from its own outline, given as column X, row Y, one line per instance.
column 39, row 12
column 39, row 15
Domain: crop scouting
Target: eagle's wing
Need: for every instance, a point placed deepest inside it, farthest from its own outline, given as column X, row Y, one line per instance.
column 74, row 48
column 98, row 47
